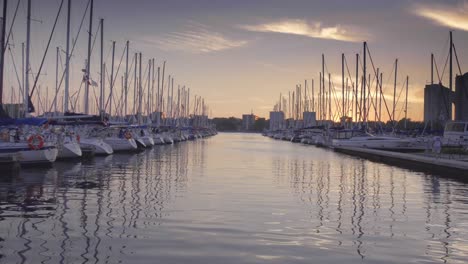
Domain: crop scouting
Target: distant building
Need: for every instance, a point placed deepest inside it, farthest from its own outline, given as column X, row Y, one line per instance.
column 248, row 122
column 437, row 104
column 276, row 120
column 461, row 97
column 310, row 119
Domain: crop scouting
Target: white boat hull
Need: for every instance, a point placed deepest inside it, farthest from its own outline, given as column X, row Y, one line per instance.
column 100, row 147
column 70, row 150
column 121, row 144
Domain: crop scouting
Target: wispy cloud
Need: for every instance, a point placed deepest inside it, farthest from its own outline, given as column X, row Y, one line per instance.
column 308, row 29
column 196, row 38
column 453, row 16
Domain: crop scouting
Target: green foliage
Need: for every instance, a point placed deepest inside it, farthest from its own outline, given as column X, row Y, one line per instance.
column 227, row 124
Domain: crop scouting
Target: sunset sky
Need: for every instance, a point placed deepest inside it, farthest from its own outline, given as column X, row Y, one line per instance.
column 240, row 55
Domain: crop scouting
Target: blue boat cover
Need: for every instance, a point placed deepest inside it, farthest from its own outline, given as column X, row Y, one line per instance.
column 32, row 121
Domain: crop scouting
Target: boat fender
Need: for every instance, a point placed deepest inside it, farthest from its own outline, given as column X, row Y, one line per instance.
column 128, row 135
column 35, row 142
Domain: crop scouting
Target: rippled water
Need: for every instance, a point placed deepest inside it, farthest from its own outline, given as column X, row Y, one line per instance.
column 232, row 198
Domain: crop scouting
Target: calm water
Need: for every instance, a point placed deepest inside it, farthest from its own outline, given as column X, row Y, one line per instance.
column 232, row 198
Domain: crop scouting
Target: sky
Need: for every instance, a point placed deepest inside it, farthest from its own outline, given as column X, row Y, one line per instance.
column 241, row 55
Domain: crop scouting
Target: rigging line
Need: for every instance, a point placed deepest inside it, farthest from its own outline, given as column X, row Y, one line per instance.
column 47, row 49
column 456, row 57
column 373, row 67
column 437, row 71
column 11, row 26
column 16, row 72
column 115, row 78
column 445, row 66
column 72, row 50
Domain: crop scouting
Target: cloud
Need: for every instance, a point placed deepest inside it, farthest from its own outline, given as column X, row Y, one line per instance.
column 197, row 38
column 309, row 29
column 453, row 16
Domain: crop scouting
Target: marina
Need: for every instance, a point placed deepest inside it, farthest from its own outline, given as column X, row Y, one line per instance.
column 230, row 132
column 236, row 198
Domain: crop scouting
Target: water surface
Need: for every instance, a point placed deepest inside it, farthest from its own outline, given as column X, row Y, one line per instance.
column 232, row 198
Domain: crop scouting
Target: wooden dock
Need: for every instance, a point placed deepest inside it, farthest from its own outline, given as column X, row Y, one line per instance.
column 441, row 166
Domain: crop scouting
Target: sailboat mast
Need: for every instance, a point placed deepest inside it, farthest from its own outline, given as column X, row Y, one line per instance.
column 432, row 68
column 135, row 79
column 148, row 101
column 126, row 77
column 140, row 90
column 56, row 79
column 3, row 48
column 313, row 95
column 356, row 88
column 67, row 61
column 364, row 84
column 329, row 98
column 342, row 85
column 450, row 63
column 394, row 90
column 103, row 76
column 28, row 43
column 111, row 94
column 88, row 61
column 323, row 86
column 406, row 101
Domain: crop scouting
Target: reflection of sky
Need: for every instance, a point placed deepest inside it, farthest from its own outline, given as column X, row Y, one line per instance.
column 235, row 53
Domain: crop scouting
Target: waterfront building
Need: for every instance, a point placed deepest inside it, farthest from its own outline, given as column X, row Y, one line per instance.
column 248, row 121
column 276, row 120
column 310, row 119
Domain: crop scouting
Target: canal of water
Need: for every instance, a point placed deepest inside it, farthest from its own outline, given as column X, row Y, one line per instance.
column 232, row 198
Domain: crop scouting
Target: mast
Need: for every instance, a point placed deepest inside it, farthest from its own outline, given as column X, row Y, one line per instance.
column 152, row 108
column 28, row 43
column 172, row 100
column 158, row 108
column 432, row 68
column 450, row 63
column 111, row 94
column 342, row 85
column 88, row 61
column 162, row 87
column 329, row 97
column 149, row 89
column 313, row 101
column 394, row 90
column 406, row 101
column 323, row 86
column 3, row 48
column 67, row 62
column 135, row 93
column 102, row 111
column 377, row 118
column 380, row 100
column 56, row 80
column 320, row 97
column 140, row 90
column 356, row 88
column 364, row 85
column 126, row 77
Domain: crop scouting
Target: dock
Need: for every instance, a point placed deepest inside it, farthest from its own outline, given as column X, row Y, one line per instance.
column 443, row 166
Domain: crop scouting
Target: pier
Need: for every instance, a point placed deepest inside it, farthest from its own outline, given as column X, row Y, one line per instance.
column 448, row 167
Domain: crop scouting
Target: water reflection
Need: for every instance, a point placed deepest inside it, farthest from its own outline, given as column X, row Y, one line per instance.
column 234, row 198
column 374, row 202
column 71, row 212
